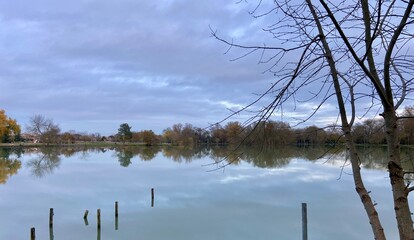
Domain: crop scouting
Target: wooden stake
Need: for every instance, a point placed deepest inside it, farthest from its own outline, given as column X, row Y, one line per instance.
column 51, row 235
column 304, row 222
column 116, row 215
column 98, row 233
column 152, row 197
column 51, row 217
column 99, row 218
column 85, row 217
column 32, row 233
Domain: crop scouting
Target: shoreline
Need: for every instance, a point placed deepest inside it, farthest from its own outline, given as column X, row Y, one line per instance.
column 97, row 144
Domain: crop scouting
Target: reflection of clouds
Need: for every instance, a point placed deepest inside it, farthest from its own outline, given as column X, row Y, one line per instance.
column 284, row 171
column 375, row 178
column 239, row 177
column 316, row 177
column 372, row 173
column 298, row 171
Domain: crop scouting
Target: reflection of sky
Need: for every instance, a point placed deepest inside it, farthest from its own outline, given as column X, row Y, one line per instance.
column 241, row 202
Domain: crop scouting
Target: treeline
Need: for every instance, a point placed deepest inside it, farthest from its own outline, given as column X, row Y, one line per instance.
column 265, row 133
column 273, row 133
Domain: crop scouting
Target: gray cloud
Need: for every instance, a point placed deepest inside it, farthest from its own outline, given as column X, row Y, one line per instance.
column 92, row 65
column 101, row 63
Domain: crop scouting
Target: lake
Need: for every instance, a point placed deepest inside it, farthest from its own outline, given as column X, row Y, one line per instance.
column 196, row 196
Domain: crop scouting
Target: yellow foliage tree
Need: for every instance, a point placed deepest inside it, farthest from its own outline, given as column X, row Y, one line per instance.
column 9, row 129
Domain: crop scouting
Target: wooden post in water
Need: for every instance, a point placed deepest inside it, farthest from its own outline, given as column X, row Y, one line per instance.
column 51, row 217
column 85, row 217
column 304, row 222
column 51, row 214
column 116, row 215
column 152, row 197
column 32, row 233
column 98, row 234
column 51, row 235
column 98, row 216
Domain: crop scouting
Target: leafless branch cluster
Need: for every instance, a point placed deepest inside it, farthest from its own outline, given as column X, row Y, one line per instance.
column 299, row 66
column 355, row 52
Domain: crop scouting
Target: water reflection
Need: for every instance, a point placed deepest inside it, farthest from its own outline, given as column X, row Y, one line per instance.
column 185, row 154
column 8, row 167
column 262, row 194
column 45, row 162
column 9, row 163
column 124, row 157
column 48, row 158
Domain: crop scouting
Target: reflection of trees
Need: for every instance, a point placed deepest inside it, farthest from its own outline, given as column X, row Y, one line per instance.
column 49, row 157
column 407, row 156
column 148, row 153
column 229, row 154
column 267, row 157
column 126, row 153
column 270, row 157
column 9, row 163
column 186, row 154
column 313, row 153
column 124, row 157
column 8, row 167
column 46, row 162
column 373, row 157
column 6, row 152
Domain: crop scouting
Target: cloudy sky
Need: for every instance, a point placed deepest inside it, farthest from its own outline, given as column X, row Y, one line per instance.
column 91, row 65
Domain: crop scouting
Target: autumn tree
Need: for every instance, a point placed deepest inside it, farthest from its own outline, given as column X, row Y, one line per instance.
column 351, row 52
column 45, row 130
column 9, row 129
column 183, row 135
column 168, row 136
column 149, row 137
column 234, row 132
column 218, row 134
column 173, row 134
column 188, row 136
column 68, row 138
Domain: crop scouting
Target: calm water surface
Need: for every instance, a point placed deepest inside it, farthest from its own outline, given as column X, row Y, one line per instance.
column 258, row 197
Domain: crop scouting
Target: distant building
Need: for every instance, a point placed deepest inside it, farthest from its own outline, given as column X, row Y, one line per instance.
column 31, row 138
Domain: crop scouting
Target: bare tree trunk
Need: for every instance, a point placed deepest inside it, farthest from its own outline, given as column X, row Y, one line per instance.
column 369, row 206
column 396, row 172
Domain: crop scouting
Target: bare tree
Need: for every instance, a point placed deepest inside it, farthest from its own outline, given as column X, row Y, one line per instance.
column 44, row 129
column 354, row 52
